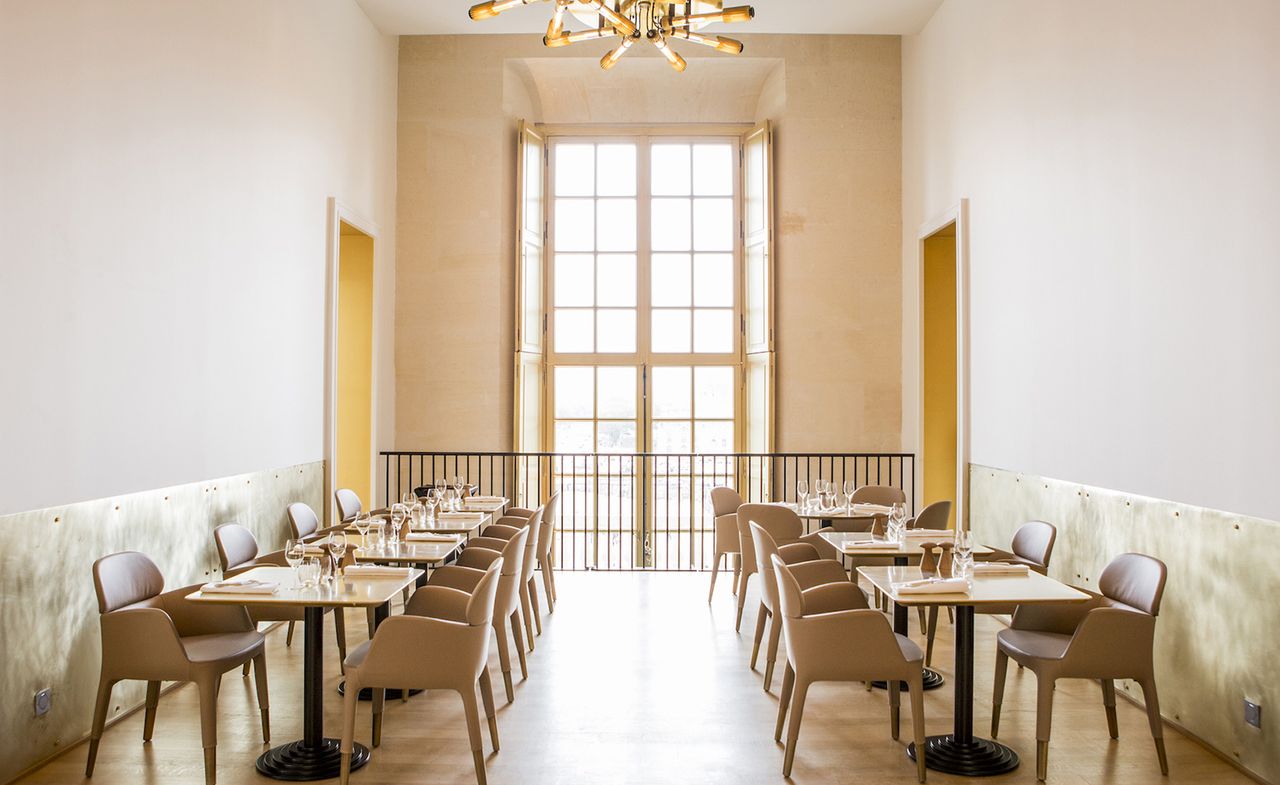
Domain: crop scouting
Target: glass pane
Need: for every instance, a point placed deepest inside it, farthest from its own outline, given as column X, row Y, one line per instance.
column 713, row 391
column 616, row 225
column 616, row 436
column 713, row 437
column 757, row 273
column 532, row 305
column 712, row 170
column 616, row 279
column 755, row 186
column 670, row 279
column 616, row 170
column 713, row 280
column 574, row 279
column 672, row 392
column 672, row 437
column 575, row 391
column 670, row 230
column 574, row 437
column 533, row 187
column 616, row 392
column 713, row 224
column 616, row 330
column 712, row 331
column 575, row 169
column 575, row 330
column 670, row 169
column 670, row 330
column 575, row 225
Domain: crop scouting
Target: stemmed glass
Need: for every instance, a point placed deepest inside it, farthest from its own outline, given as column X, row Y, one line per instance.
column 849, row 488
column 802, row 492
column 338, row 547
column 459, row 483
column 433, row 501
column 363, row 521
column 398, row 514
column 294, row 550
column 962, row 564
column 408, row 498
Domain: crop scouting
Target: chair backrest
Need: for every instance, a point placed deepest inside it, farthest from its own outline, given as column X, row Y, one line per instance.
column 546, row 532
column 766, row 549
column 480, row 606
column 302, row 520
column 1034, row 540
column 126, row 578
column 724, row 500
column 236, row 545
column 790, row 600
column 530, row 559
column 513, row 553
column 782, row 524
column 886, row 495
column 349, row 505
column 1136, row 580
column 935, row 516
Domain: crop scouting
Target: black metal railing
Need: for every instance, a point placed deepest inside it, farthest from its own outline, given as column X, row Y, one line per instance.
column 632, row 511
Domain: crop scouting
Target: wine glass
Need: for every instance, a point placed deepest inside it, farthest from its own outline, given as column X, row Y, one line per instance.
column 398, row 514
column 338, row 547
column 459, row 483
column 802, row 492
column 363, row 522
column 963, row 550
column 849, row 488
column 293, row 553
column 433, row 501
column 897, row 521
column 408, row 498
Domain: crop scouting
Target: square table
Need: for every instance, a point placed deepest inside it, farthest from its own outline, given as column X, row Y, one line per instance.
column 960, row 752
column 314, row 757
column 448, row 523
column 901, row 553
column 485, row 504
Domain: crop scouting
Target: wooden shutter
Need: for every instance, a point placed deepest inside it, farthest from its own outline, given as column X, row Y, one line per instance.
column 758, row 299
column 530, row 368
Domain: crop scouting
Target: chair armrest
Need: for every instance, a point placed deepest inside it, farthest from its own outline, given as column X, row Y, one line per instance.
column 830, row 597
column 1061, row 618
column 491, row 543
column 408, row 651
column 516, row 521
column 502, row 531
column 518, row 512
column 438, row 602
column 817, row 572
column 796, row 552
column 477, row 558
column 824, row 549
column 454, row 577
column 122, row 633
column 1112, row 641
column 200, row 618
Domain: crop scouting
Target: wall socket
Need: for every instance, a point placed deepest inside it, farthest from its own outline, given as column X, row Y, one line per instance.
column 1253, row 713
column 43, row 702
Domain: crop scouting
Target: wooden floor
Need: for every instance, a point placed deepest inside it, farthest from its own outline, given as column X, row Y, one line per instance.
column 637, row 680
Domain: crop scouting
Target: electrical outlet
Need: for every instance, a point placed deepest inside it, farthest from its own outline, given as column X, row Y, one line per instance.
column 43, row 702
column 1253, row 713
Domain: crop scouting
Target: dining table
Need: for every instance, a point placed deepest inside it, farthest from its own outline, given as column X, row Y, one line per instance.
column 490, row 504
column 460, row 522
column 961, row 752
column 314, row 756
column 826, row 517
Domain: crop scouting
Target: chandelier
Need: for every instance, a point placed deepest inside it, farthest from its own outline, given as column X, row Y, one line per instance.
column 655, row 21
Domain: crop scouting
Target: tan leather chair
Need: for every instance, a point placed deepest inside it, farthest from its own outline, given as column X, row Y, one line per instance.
column 726, row 541
column 935, row 516
column 546, row 551
column 238, row 552
column 807, row 568
column 786, row 535
column 833, row 636
column 1109, row 637
column 504, row 529
column 466, row 574
column 441, row 642
column 303, row 522
column 152, row 635
column 884, row 495
column 349, row 505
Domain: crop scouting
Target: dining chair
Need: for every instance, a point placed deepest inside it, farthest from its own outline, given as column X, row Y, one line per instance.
column 1108, row 637
column 504, row 529
column 152, row 635
column 884, row 495
column 237, row 553
column 303, row 522
column 935, row 516
column 349, row 505
column 467, row 572
column 546, row 551
column 786, row 534
column 833, row 636
column 440, row 642
column 726, row 542
column 807, row 568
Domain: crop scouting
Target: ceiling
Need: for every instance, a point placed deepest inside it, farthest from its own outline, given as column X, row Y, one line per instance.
column 866, row 17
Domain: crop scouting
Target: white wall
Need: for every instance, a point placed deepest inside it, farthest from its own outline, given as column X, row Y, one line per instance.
column 1122, row 162
column 164, row 171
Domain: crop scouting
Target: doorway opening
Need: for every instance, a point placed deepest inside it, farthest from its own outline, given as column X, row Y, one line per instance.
column 353, row 409
column 938, row 377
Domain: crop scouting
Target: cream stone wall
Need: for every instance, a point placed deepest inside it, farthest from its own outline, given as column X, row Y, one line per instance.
column 835, row 103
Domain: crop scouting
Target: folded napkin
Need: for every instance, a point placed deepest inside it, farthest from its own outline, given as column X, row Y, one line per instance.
column 247, row 586
column 369, row 570
column 933, row 586
column 999, row 568
column 429, row 537
column 870, row 509
column 851, row 545
column 312, row 550
column 937, row 535
column 485, row 499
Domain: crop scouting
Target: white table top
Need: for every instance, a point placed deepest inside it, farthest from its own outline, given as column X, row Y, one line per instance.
column 363, row 591
column 406, row 553
column 486, row 504
column 838, row 513
column 983, row 589
column 448, row 523
column 909, row 547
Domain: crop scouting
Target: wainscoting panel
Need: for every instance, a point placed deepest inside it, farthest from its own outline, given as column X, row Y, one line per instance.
column 1219, row 627
column 48, row 609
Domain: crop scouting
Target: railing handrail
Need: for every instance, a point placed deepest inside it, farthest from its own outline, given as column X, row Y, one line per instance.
column 509, row 453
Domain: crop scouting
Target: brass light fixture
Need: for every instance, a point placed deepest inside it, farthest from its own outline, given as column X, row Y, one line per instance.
column 656, row 21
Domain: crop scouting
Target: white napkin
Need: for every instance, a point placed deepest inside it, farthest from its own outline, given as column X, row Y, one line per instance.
column 999, row 568
column 247, row 586
column 851, row 545
column 924, row 535
column 485, row 499
column 870, row 509
column 374, row 570
column 312, row 550
column 428, row 537
column 933, row 586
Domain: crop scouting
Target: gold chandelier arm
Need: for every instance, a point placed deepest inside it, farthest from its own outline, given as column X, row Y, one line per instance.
column 556, row 27
column 564, row 39
column 740, row 13
column 619, row 22
column 494, row 7
column 718, row 42
column 614, row 55
column 673, row 57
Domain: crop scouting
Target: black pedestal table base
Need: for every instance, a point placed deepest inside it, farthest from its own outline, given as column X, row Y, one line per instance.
column 930, row 678
column 977, row 758
column 366, row 694
column 299, row 762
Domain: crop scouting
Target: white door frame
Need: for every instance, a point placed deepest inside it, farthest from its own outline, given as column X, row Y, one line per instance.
column 958, row 214
column 340, row 213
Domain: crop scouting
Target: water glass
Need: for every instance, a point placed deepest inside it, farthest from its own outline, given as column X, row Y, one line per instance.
column 309, row 572
column 433, row 501
column 378, row 540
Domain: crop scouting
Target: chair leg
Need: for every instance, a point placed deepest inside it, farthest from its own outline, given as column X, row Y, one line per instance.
column 551, row 574
column 533, row 601
column 742, row 600
column 715, row 570
column 504, row 656
column 518, row 633
column 99, row 720
column 930, row 632
column 546, row 585
column 149, row 718
column 771, row 652
column 264, row 703
column 526, row 611
column 799, row 691
column 917, row 724
column 486, row 696
column 1044, row 723
column 349, row 702
column 784, row 698
column 1153, row 718
column 244, row 670
column 737, row 573
column 379, row 705
column 758, row 636
column 1109, row 705
column 895, row 707
column 288, row 636
column 473, row 730
column 340, row 635
column 208, row 688
column 997, row 693
column 920, row 613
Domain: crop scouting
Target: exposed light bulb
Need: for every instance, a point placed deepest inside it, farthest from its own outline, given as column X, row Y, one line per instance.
column 673, row 57
column 492, row 8
column 611, row 59
column 564, row 39
column 718, row 42
column 622, row 24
